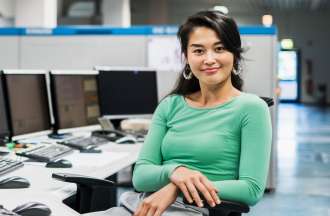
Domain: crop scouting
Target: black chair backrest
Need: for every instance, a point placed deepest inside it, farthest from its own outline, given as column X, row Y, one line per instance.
column 269, row 101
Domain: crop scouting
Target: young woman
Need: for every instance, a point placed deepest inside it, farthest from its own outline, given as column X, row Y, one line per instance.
column 208, row 140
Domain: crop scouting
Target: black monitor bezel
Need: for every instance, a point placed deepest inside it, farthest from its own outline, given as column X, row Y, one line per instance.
column 52, row 75
column 12, row 136
column 6, row 135
column 102, row 69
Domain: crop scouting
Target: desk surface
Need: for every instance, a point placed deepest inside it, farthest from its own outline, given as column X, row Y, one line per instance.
column 45, row 189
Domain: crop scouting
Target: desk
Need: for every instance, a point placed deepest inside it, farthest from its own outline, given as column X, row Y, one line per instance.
column 58, row 208
column 45, row 189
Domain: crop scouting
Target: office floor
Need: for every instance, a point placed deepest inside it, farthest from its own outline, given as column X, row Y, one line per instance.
column 303, row 181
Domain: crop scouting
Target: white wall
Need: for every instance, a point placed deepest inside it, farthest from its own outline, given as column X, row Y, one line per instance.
column 81, row 52
column 9, row 46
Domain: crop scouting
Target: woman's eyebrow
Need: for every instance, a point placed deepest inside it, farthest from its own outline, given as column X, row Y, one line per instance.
column 200, row 45
column 196, row 45
column 218, row 43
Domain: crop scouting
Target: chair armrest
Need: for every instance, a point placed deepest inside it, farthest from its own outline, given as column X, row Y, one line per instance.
column 233, row 206
column 83, row 180
column 226, row 207
column 269, row 101
column 93, row 194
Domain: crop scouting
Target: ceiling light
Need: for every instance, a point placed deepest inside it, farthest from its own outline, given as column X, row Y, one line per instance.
column 267, row 20
column 287, row 43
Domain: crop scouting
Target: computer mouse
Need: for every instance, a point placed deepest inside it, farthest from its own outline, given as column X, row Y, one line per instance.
column 14, row 182
column 32, row 209
column 126, row 140
column 4, row 152
column 62, row 163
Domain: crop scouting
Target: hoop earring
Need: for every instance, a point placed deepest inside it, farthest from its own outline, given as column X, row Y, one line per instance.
column 238, row 71
column 187, row 74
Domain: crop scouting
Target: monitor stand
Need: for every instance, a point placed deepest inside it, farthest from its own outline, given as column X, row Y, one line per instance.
column 59, row 135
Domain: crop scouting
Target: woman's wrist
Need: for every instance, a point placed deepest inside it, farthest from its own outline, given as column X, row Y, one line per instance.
column 173, row 187
column 174, row 170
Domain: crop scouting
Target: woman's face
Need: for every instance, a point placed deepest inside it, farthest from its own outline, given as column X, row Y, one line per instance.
column 209, row 61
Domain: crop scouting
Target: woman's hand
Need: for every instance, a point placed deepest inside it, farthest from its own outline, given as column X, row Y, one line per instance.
column 192, row 182
column 157, row 203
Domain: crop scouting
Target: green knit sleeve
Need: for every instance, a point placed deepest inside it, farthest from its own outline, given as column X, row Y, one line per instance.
column 256, row 136
column 149, row 172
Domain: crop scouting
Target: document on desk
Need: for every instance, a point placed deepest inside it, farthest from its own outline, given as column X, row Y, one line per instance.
column 94, row 160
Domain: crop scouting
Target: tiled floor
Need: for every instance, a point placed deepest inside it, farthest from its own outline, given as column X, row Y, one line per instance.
column 303, row 180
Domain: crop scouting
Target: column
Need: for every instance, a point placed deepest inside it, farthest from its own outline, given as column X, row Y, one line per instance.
column 36, row 13
column 116, row 13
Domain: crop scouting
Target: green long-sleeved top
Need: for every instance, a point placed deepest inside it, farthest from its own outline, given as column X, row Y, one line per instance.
column 230, row 144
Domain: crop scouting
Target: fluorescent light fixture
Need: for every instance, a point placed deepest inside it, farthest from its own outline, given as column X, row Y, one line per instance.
column 222, row 9
column 287, row 43
column 267, row 20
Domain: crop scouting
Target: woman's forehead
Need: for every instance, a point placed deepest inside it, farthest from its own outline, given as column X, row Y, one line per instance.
column 203, row 35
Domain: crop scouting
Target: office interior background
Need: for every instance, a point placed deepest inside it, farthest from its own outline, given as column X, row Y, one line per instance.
column 291, row 36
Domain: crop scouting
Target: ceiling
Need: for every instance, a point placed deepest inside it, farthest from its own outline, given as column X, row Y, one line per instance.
column 255, row 5
column 311, row 5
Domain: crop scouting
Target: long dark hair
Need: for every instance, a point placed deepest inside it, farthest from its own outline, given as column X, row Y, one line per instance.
column 226, row 29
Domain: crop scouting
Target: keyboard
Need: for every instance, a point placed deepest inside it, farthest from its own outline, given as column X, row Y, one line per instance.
column 45, row 153
column 83, row 142
column 7, row 165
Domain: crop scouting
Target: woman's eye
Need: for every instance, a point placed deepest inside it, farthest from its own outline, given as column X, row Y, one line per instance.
column 219, row 49
column 198, row 51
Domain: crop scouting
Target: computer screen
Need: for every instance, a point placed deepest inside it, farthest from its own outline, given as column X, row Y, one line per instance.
column 4, row 127
column 28, row 102
column 127, row 92
column 75, row 98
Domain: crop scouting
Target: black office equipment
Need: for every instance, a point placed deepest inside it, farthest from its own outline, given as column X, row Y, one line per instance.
column 4, row 152
column 88, row 188
column 32, row 209
column 62, row 163
column 127, row 140
column 28, row 104
column 127, row 93
column 14, row 182
column 83, row 143
column 6, row 212
column 75, row 99
column 111, row 135
column 8, row 165
column 76, row 106
column 4, row 124
column 45, row 152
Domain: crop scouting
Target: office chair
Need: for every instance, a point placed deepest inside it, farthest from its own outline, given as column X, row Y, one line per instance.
column 95, row 194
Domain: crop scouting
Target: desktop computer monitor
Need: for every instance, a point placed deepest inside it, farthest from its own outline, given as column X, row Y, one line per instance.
column 75, row 100
column 127, row 92
column 28, row 104
column 4, row 127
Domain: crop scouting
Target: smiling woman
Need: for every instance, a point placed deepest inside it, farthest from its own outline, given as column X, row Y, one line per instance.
column 208, row 140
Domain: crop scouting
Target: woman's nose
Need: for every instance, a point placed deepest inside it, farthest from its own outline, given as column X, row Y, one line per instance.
column 209, row 58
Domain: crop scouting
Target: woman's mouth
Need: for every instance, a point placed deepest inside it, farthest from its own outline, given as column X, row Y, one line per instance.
column 210, row 70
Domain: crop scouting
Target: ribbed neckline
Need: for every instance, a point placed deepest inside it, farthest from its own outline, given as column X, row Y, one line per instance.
column 210, row 108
